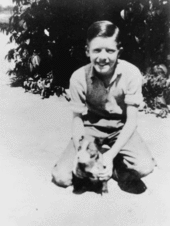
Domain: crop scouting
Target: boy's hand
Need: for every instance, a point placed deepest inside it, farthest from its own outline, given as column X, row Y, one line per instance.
column 108, row 167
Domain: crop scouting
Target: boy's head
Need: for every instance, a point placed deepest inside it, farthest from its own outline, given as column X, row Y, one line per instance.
column 103, row 46
column 104, row 29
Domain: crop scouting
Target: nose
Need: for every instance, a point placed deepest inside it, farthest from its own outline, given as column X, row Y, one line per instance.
column 102, row 55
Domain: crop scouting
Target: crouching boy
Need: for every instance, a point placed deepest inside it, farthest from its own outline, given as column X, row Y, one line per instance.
column 106, row 95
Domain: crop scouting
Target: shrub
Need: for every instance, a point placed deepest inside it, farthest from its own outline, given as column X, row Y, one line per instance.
column 155, row 87
column 52, row 33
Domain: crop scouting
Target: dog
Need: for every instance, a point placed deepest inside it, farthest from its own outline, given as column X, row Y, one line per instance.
column 87, row 166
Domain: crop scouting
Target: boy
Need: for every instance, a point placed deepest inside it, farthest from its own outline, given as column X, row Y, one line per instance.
column 105, row 97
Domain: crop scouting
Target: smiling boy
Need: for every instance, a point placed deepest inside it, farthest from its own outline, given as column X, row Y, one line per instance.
column 105, row 96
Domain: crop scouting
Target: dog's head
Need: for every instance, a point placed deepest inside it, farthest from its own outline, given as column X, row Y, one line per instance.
column 88, row 161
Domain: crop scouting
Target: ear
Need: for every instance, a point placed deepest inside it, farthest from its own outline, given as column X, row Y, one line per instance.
column 93, row 147
column 87, row 50
column 99, row 141
column 120, row 51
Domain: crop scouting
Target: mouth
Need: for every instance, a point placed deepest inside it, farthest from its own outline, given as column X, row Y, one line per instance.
column 103, row 64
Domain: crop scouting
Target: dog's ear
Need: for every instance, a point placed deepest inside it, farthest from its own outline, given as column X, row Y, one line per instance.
column 93, row 147
column 99, row 144
column 99, row 141
column 93, row 150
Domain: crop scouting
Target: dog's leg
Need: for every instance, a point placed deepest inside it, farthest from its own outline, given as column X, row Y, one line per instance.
column 104, row 187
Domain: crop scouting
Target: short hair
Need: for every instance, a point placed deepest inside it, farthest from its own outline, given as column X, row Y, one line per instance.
column 103, row 29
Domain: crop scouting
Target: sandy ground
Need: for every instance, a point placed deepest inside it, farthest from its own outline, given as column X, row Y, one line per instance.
column 33, row 133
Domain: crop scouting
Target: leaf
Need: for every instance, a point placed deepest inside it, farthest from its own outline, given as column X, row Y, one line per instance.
column 35, row 60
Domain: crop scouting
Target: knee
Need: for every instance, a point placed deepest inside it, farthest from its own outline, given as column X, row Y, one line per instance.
column 61, row 182
column 148, row 167
column 60, row 178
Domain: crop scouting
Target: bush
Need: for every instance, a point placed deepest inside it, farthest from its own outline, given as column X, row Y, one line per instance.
column 52, row 34
column 155, row 89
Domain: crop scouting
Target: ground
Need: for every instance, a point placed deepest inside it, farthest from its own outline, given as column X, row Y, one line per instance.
column 33, row 134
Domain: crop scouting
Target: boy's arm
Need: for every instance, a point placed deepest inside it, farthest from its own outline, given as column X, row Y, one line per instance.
column 124, row 136
column 133, row 98
column 126, row 132
column 77, row 129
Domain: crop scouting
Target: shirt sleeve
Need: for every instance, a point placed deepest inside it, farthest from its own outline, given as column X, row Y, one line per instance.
column 133, row 94
column 77, row 92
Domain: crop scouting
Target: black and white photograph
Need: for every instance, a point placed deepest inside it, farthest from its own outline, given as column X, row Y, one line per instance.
column 85, row 112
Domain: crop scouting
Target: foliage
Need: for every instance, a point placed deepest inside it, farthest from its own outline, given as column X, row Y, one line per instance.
column 155, row 88
column 147, row 25
column 51, row 34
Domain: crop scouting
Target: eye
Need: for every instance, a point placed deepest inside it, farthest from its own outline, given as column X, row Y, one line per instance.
column 92, row 155
column 110, row 51
column 97, row 157
column 96, row 50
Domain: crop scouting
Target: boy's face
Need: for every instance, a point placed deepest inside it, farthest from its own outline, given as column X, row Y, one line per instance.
column 103, row 53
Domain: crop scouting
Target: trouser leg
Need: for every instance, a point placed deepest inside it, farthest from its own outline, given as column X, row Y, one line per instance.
column 62, row 171
column 135, row 148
